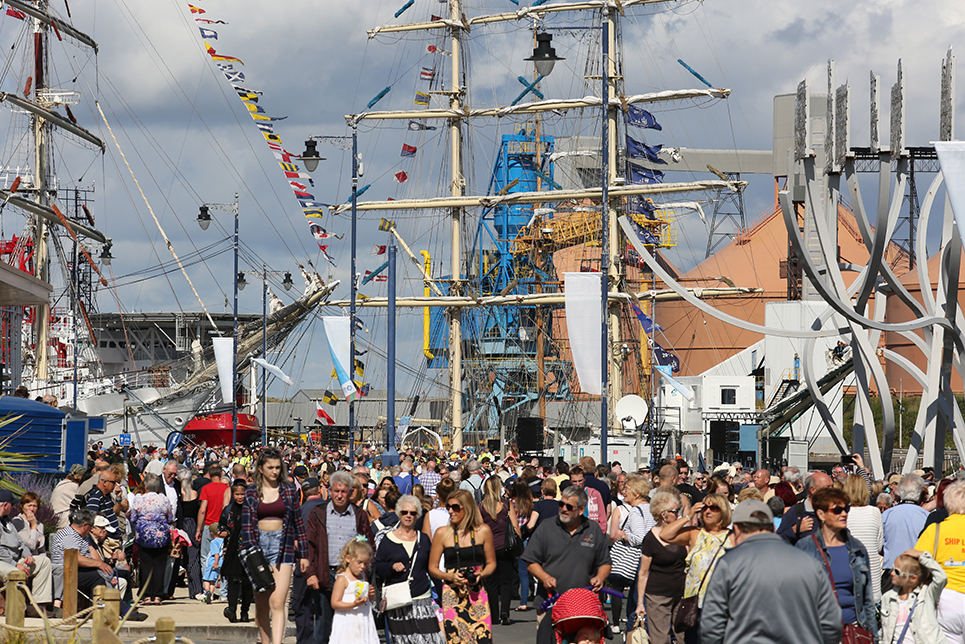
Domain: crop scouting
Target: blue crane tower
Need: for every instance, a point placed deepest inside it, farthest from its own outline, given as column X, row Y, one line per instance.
column 505, row 345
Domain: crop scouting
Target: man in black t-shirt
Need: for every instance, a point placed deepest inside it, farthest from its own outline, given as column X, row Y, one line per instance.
column 547, row 507
column 683, row 483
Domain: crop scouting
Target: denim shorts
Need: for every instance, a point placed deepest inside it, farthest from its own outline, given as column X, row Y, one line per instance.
column 271, row 546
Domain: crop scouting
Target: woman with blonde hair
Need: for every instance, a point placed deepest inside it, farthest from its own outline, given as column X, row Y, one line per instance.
column 271, row 521
column 948, row 553
column 662, row 567
column 497, row 514
column 470, row 558
column 864, row 524
column 707, row 537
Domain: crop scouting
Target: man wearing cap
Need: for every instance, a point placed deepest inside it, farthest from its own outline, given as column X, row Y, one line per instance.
column 764, row 590
column 102, row 537
column 300, row 473
column 14, row 554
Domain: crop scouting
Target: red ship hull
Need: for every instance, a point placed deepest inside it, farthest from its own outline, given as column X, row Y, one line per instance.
column 215, row 429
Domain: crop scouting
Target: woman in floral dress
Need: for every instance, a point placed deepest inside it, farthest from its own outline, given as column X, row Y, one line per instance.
column 151, row 518
column 470, row 557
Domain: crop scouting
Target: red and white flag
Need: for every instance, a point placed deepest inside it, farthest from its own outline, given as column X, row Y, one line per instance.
column 401, row 177
column 322, row 415
column 378, row 249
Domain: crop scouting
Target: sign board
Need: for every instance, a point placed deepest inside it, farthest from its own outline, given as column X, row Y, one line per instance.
column 124, row 440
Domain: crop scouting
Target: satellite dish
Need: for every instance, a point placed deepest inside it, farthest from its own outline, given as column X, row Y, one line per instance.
column 632, row 411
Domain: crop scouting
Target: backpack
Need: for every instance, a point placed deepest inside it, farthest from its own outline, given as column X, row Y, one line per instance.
column 477, row 492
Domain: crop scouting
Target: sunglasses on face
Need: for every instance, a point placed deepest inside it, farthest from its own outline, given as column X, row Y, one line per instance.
column 454, row 507
column 675, row 512
column 903, row 575
column 408, row 513
column 569, row 507
column 838, row 509
column 711, row 508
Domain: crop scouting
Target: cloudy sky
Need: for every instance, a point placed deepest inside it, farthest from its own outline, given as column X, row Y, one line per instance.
column 189, row 139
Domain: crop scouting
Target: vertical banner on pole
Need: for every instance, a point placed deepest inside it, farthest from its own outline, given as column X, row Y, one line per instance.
column 583, row 319
column 338, row 332
column 223, row 352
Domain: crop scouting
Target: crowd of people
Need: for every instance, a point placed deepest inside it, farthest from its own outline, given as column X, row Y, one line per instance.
column 439, row 548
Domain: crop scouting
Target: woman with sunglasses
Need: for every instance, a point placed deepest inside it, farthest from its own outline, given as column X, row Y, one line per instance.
column 271, row 521
column 662, row 568
column 470, row 557
column 706, row 537
column 843, row 557
column 403, row 556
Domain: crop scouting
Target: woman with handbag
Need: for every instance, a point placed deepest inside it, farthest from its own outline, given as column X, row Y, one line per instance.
column 707, row 537
column 272, row 536
column 662, row 568
column 627, row 530
column 500, row 517
column 402, row 570
column 470, row 558
column 847, row 564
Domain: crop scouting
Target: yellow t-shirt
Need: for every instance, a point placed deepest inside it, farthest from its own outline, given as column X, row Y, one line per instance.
column 951, row 549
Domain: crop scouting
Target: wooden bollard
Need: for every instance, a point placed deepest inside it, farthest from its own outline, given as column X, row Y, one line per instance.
column 112, row 610
column 164, row 630
column 69, row 601
column 16, row 601
column 97, row 600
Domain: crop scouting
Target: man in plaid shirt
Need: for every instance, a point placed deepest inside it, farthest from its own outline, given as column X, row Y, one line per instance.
column 430, row 478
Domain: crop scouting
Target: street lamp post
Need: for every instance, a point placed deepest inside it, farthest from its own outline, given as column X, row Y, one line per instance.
column 310, row 158
column 287, row 283
column 204, row 220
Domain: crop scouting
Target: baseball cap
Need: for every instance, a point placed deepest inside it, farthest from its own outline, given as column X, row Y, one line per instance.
column 100, row 521
column 77, row 468
column 744, row 512
column 300, row 470
column 6, row 496
column 895, row 478
column 309, row 483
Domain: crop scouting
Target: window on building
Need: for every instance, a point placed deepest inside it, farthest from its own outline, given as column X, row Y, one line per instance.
column 728, row 396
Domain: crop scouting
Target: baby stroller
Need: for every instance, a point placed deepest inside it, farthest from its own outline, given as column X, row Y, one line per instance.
column 579, row 618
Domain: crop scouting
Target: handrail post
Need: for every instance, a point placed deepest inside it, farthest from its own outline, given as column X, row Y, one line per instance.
column 112, row 607
column 97, row 600
column 69, row 600
column 16, row 602
column 164, row 630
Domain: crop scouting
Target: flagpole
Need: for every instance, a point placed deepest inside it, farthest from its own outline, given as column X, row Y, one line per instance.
column 391, row 455
column 351, row 359
column 264, row 353
column 605, row 246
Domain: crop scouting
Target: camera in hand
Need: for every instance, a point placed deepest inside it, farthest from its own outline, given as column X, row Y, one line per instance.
column 469, row 575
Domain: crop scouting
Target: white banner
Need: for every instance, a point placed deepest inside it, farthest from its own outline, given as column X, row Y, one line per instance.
column 951, row 156
column 583, row 327
column 272, row 369
column 223, row 351
column 339, row 335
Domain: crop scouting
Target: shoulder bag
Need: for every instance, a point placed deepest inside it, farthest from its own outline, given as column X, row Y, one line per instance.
column 513, row 544
column 258, row 570
column 625, row 559
column 853, row 634
column 688, row 611
column 399, row 595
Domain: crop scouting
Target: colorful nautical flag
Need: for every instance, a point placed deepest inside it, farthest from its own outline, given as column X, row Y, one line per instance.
column 324, row 249
column 329, row 398
column 378, row 249
column 434, row 18
column 401, row 177
column 208, row 33
column 385, row 225
column 196, row 10
column 216, row 56
column 641, row 118
column 421, row 98
column 408, row 150
column 210, row 22
column 427, row 73
column 431, row 49
column 638, row 150
column 415, row 126
column 359, row 367
column 322, row 415
column 645, row 321
column 641, row 205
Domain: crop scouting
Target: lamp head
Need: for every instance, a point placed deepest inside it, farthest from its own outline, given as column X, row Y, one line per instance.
column 204, row 218
column 106, row 256
column 544, row 56
column 287, row 282
column 310, row 156
column 242, row 282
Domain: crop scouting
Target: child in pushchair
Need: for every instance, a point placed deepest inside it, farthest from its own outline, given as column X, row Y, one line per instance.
column 578, row 618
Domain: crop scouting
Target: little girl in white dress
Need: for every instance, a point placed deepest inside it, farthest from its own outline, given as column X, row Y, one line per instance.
column 352, row 596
